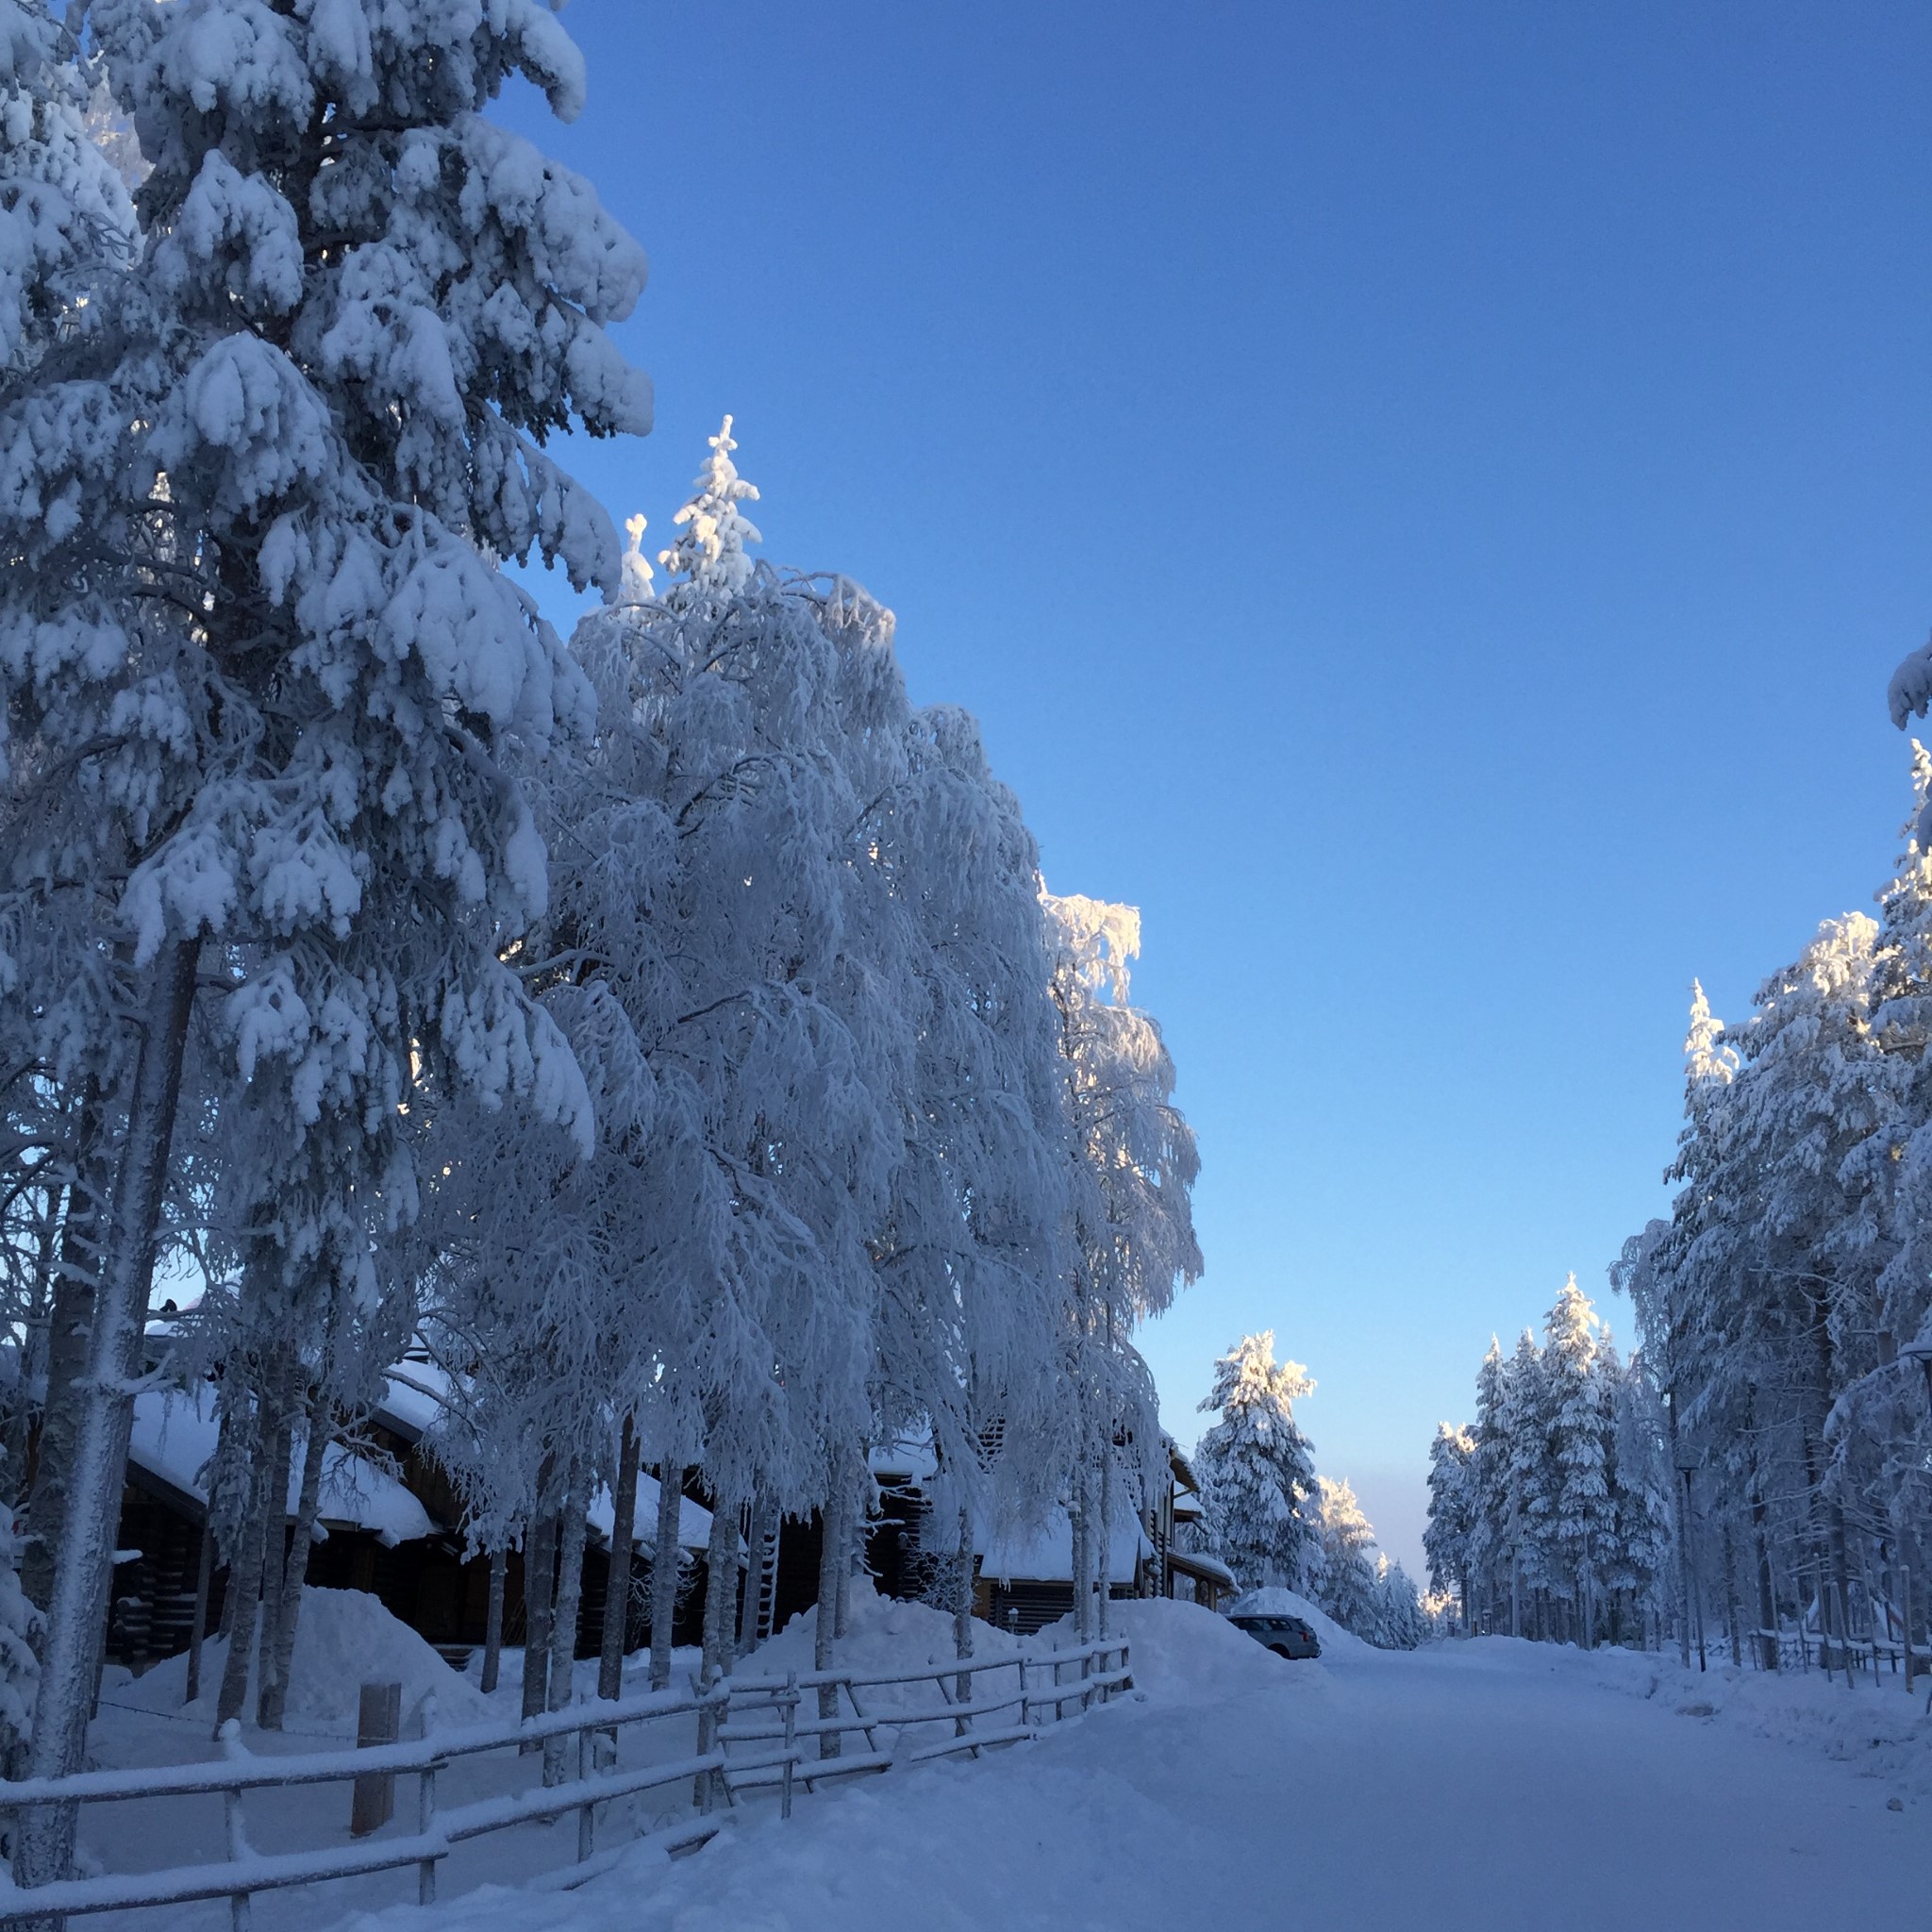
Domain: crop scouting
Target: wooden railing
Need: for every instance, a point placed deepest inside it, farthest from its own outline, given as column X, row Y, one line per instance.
column 750, row 1737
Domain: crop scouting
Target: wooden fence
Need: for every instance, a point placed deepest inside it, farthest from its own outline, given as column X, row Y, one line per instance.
column 750, row 1736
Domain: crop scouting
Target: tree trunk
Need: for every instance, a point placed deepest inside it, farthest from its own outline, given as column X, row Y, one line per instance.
column 624, row 1501
column 1734, row 1623
column 274, row 1682
column 540, row 1584
column 825, row 1619
column 852, row 1524
column 274, row 1540
column 197, row 1630
column 1767, row 1598
column 962, row 1609
column 664, row 1561
column 77, row 1600
column 565, row 1617
column 721, row 1590
column 1079, row 1566
column 1515, row 1570
column 570, row 1530
column 1103, row 1536
column 493, row 1618
column 69, row 1323
column 244, row 1579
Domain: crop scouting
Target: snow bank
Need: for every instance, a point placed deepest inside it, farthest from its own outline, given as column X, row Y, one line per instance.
column 1876, row 1729
column 345, row 1638
column 1334, row 1641
column 884, row 1634
column 1182, row 1654
column 1179, row 1652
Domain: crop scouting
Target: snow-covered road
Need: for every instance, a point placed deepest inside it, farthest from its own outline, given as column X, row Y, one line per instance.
column 1489, row 1784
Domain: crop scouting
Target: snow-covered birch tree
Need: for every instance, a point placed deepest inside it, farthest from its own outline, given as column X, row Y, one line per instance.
column 255, row 596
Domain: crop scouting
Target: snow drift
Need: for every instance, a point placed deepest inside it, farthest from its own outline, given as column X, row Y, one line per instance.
column 1273, row 1602
column 345, row 1638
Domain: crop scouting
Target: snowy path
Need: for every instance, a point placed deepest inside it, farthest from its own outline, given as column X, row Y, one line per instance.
column 1493, row 1786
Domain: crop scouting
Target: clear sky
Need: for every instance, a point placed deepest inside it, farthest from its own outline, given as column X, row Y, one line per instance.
column 1424, row 500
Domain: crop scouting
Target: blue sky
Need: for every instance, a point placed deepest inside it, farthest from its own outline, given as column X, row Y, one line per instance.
column 1425, row 502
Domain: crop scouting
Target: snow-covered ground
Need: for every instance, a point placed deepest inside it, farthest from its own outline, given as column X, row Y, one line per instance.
column 1493, row 1785
column 1489, row 1784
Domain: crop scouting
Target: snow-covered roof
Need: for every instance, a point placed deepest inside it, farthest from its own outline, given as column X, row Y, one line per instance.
column 910, row 1457
column 1046, row 1554
column 173, row 1436
column 1192, row 1562
column 414, row 1395
column 693, row 1518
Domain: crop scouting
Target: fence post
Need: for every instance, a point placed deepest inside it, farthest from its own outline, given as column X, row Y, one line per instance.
column 426, row 1808
column 235, row 1751
column 1845, row 1634
column 790, row 1742
column 587, row 1824
column 379, row 1721
column 1026, row 1715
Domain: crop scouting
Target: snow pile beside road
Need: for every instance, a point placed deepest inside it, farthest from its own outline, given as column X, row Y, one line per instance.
column 345, row 1639
column 1334, row 1641
column 1182, row 1654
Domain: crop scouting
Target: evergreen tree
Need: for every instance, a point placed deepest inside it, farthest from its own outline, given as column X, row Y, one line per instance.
column 1256, row 1468
column 1570, row 1507
column 1448, row 1539
column 1344, row 1578
column 1400, row 1621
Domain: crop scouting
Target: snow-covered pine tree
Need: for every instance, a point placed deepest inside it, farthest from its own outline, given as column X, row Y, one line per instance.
column 1571, row 1513
column 1893, row 1167
column 1527, row 1478
column 253, row 573
column 1400, row 1621
column 1449, row 1535
column 1634, row 1562
column 1493, row 1527
column 1782, row 1294
column 1344, row 1573
column 1256, row 1468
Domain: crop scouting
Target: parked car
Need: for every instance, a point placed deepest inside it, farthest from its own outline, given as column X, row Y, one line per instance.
column 1291, row 1637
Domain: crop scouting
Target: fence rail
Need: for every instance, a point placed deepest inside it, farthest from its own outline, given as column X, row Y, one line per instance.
column 734, row 1718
